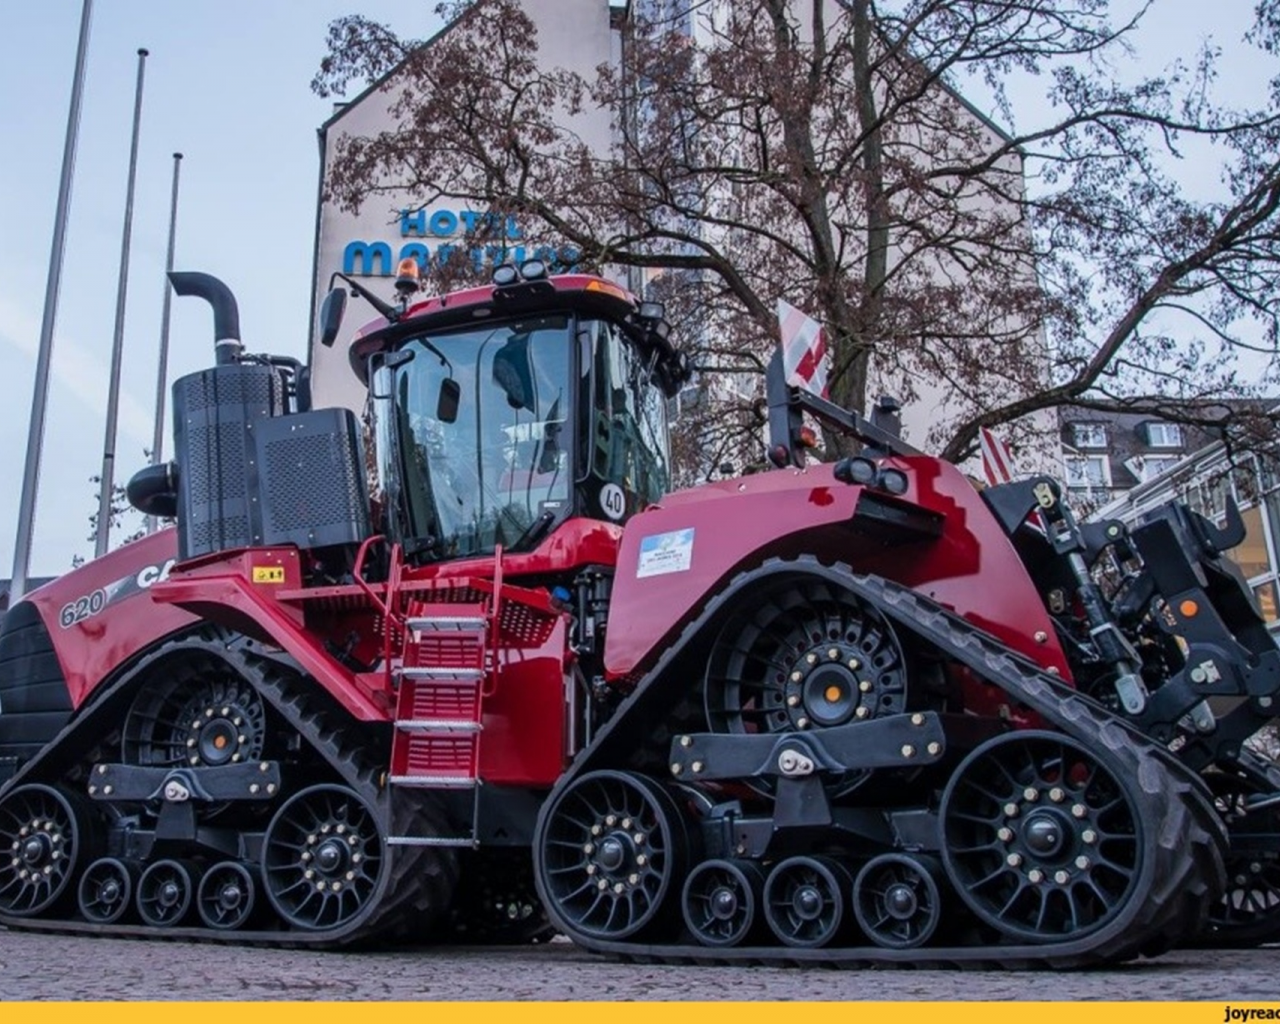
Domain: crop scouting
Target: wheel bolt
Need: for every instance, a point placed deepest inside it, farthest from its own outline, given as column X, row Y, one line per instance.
column 237, row 721
column 686, row 741
column 917, row 719
column 356, row 858
column 853, row 663
column 676, row 768
column 591, row 869
column 934, row 748
column 861, row 712
column 1057, row 794
column 1031, row 794
column 1079, row 810
column 1035, row 876
column 641, row 859
column 306, row 856
column 352, row 840
column 908, row 750
column 191, row 742
column 253, row 788
column 1089, row 836
column 1014, row 860
column 865, row 686
column 311, row 839
column 618, row 887
column 102, row 769
column 811, row 658
column 1255, row 867
column 1061, row 877
column 341, row 829
column 1083, row 862
column 1010, row 810
column 208, row 712
column 325, row 828
column 596, row 830
column 697, row 766
column 319, row 886
column 602, row 885
column 197, row 724
column 351, row 876
column 833, row 653
column 588, row 848
column 793, row 701
column 107, row 790
column 195, row 759
column 308, row 873
column 611, row 820
column 92, row 790
column 336, row 887
column 633, row 879
column 638, row 839
column 802, row 722
column 1004, row 834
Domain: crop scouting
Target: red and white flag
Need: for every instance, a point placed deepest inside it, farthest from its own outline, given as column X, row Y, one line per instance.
column 997, row 460
column 804, row 349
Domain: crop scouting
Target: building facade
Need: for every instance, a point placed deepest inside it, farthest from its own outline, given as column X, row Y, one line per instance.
column 579, row 36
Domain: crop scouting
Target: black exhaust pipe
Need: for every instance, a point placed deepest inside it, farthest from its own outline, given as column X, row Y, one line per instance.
column 226, row 315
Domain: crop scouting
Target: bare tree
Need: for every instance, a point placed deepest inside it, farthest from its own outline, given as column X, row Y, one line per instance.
column 819, row 151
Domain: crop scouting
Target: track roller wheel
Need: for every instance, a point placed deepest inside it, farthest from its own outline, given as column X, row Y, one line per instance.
column 42, row 834
column 106, row 890
column 164, row 893
column 720, row 901
column 1041, row 838
column 609, row 852
column 226, row 896
column 896, row 900
column 804, row 900
column 323, row 855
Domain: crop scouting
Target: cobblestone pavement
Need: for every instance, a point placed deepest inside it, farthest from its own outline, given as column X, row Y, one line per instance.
column 57, row 967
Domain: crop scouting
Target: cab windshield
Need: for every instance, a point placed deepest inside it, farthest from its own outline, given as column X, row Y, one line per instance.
column 489, row 463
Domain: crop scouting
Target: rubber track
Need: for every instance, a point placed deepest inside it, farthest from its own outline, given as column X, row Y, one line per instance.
column 1184, row 864
column 419, row 883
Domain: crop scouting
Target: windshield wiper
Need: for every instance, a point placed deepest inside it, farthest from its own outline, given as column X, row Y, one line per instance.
column 535, row 531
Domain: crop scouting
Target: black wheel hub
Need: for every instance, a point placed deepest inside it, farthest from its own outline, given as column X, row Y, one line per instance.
column 807, row 903
column 37, row 849
column 169, row 894
column 110, row 892
column 724, row 903
column 900, row 901
column 230, row 896
column 1044, row 834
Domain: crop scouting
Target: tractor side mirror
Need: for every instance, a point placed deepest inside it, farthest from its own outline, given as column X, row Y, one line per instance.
column 447, row 403
column 331, row 312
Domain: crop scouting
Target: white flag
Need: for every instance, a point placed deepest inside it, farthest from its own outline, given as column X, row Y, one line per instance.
column 804, row 349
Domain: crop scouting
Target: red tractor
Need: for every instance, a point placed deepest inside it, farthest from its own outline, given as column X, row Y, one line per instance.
column 854, row 712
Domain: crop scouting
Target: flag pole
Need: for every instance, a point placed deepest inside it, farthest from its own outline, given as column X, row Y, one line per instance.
column 44, row 357
column 117, row 343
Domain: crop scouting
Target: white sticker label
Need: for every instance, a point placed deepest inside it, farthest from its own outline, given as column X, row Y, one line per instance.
column 612, row 501
column 665, row 552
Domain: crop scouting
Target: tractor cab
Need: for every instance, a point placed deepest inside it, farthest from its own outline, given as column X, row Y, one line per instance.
column 502, row 411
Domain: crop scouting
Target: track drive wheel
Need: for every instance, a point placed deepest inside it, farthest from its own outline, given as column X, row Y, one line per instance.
column 1041, row 837
column 323, row 856
column 106, row 890
column 721, row 901
column 896, row 900
column 42, row 839
column 803, row 655
column 165, row 891
column 227, row 896
column 611, row 849
column 804, row 900
column 195, row 711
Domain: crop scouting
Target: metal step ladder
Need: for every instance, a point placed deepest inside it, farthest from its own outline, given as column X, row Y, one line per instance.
column 440, row 708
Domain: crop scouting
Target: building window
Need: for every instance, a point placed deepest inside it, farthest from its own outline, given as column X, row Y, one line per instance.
column 1164, row 435
column 1251, row 555
column 1088, row 471
column 1266, row 595
column 1089, row 435
column 1154, row 465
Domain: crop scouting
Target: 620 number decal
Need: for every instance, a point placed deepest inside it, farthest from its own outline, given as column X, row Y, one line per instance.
column 81, row 608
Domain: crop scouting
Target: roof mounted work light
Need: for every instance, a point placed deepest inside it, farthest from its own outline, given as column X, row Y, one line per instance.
column 505, row 274
column 533, row 270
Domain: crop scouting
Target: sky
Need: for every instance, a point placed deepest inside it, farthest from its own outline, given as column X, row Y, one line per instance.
column 227, row 84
